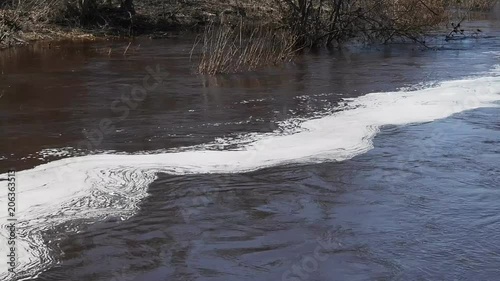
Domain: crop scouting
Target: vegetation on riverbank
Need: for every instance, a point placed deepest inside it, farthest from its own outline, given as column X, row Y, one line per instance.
column 306, row 23
column 314, row 23
column 244, row 48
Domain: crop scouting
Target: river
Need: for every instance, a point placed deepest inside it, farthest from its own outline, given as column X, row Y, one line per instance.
column 370, row 163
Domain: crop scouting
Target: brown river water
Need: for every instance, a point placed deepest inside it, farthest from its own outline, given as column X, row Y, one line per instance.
column 423, row 204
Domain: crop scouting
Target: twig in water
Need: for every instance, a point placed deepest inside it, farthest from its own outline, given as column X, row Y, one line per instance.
column 126, row 49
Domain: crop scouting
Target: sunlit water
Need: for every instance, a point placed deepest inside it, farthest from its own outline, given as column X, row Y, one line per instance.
column 422, row 204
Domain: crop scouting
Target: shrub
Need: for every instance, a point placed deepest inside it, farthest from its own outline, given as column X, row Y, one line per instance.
column 334, row 21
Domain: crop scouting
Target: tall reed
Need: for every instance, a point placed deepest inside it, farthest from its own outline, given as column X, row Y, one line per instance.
column 236, row 48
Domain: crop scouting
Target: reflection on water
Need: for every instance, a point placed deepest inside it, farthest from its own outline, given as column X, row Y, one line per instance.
column 421, row 206
column 50, row 94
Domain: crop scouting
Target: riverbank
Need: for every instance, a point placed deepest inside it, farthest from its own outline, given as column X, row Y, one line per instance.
column 313, row 22
column 153, row 17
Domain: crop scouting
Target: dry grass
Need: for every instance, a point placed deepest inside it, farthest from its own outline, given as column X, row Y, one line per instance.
column 408, row 19
column 228, row 49
column 9, row 26
column 28, row 20
column 477, row 5
column 189, row 12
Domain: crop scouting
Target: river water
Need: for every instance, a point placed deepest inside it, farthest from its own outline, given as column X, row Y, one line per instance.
column 377, row 163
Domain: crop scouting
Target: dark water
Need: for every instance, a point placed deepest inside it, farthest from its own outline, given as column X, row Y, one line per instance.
column 422, row 205
column 429, row 214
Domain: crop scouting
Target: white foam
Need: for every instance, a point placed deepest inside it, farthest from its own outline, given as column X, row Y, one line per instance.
column 97, row 186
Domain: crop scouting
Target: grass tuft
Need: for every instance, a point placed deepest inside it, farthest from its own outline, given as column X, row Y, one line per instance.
column 229, row 48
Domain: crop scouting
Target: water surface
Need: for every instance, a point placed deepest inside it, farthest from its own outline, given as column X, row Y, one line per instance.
column 421, row 205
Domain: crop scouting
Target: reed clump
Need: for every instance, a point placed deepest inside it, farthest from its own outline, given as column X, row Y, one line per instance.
column 237, row 48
